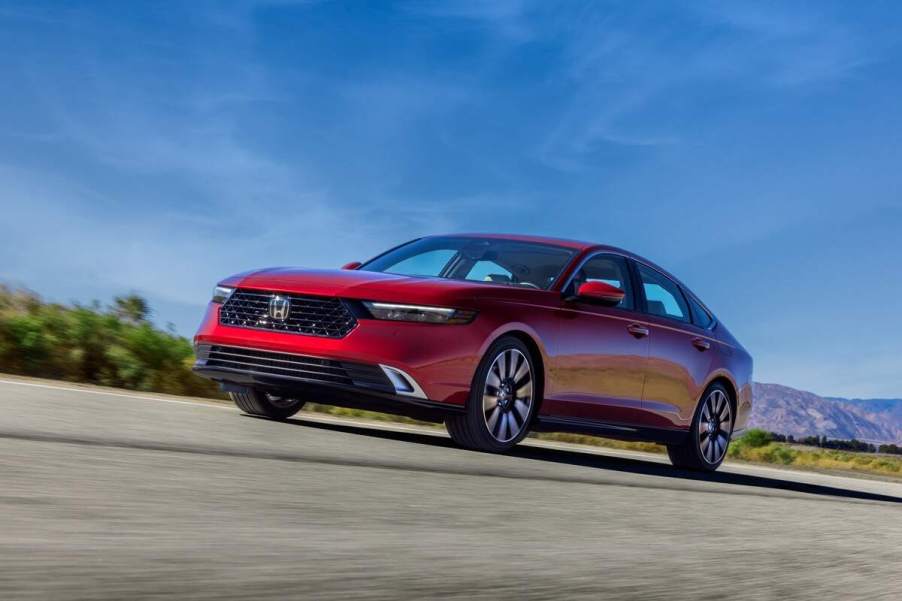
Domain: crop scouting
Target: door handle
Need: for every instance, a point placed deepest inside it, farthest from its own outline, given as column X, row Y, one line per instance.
column 701, row 344
column 637, row 330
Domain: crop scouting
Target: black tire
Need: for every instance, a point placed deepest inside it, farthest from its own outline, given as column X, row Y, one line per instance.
column 471, row 429
column 256, row 402
column 693, row 453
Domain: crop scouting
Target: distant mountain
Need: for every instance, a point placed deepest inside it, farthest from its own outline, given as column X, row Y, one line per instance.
column 789, row 411
column 886, row 407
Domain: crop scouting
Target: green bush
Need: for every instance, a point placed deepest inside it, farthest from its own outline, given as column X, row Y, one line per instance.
column 116, row 346
column 754, row 438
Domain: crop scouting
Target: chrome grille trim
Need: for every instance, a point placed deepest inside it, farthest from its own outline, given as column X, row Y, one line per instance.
column 309, row 315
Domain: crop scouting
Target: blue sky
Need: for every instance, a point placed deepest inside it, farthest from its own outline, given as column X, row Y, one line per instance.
column 753, row 149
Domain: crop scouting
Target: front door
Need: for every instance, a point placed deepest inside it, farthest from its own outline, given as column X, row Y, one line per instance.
column 599, row 355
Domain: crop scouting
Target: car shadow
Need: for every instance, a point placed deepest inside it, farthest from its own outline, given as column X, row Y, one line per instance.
column 607, row 462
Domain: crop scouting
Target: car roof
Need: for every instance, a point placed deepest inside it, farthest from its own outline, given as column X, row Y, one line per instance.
column 572, row 244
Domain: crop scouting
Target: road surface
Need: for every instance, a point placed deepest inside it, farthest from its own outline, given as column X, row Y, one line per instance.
column 112, row 495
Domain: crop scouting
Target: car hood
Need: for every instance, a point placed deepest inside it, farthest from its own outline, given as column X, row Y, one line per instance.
column 362, row 285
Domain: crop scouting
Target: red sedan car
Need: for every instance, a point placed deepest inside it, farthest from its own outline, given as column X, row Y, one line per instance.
column 493, row 335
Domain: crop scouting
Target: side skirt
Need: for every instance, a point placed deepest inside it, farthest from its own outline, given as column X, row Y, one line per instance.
column 607, row 430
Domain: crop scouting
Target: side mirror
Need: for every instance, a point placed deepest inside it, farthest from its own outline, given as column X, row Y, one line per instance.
column 599, row 292
column 352, row 265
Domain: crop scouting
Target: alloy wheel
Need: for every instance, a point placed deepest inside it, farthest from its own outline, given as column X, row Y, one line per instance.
column 508, row 395
column 715, row 426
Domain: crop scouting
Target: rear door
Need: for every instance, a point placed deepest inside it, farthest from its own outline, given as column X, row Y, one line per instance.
column 597, row 368
column 680, row 354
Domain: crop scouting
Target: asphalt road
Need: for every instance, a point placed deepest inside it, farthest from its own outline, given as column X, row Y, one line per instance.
column 118, row 496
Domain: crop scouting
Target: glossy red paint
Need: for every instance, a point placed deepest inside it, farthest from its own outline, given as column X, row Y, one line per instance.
column 600, row 365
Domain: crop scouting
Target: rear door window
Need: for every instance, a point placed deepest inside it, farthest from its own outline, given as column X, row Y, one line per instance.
column 700, row 315
column 662, row 295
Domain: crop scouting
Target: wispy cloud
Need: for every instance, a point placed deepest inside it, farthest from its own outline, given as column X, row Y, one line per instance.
column 622, row 63
column 507, row 17
column 787, row 45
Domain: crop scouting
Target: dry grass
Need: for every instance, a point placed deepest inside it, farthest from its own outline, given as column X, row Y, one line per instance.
column 813, row 458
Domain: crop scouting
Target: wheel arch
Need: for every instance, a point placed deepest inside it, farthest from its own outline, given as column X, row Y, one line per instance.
column 724, row 379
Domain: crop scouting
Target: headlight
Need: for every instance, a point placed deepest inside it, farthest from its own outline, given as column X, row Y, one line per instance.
column 418, row 313
column 222, row 293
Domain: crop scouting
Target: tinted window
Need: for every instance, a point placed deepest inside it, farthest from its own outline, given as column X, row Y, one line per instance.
column 608, row 269
column 662, row 295
column 489, row 271
column 700, row 316
column 428, row 263
column 493, row 260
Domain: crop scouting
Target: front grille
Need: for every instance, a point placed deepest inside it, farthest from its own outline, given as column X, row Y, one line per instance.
column 299, row 367
column 310, row 315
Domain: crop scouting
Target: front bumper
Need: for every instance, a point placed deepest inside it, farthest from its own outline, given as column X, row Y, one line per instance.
column 349, row 384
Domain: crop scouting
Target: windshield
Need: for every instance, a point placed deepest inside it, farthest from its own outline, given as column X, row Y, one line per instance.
column 498, row 261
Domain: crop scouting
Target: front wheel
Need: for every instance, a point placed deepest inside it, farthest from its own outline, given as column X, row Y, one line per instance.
column 264, row 404
column 706, row 445
column 502, row 401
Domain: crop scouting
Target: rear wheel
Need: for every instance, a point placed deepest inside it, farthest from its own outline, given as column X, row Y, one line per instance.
column 257, row 402
column 706, row 445
column 502, row 401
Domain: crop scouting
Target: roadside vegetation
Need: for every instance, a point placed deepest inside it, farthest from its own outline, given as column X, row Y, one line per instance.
column 117, row 345
column 759, row 446
column 111, row 346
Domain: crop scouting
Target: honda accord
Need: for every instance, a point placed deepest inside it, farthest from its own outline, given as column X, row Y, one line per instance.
column 494, row 335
